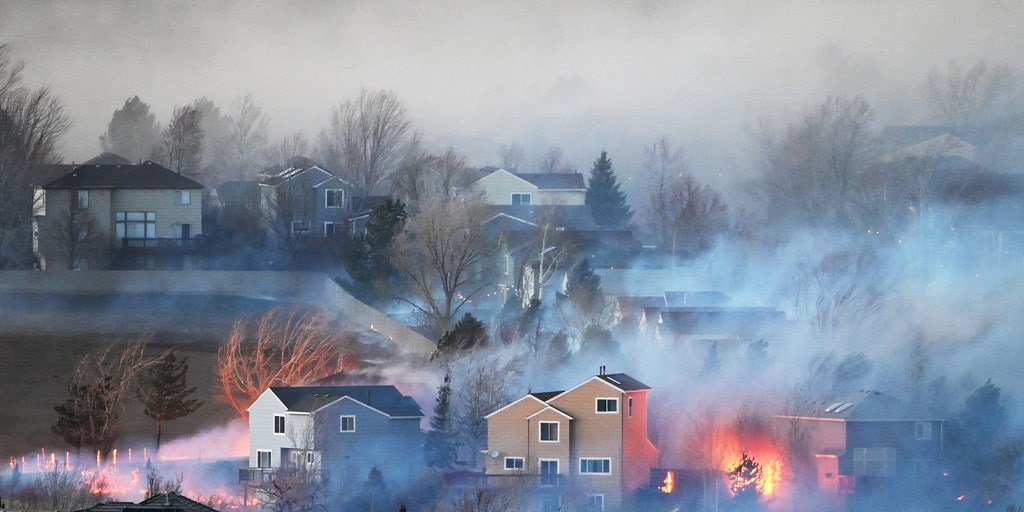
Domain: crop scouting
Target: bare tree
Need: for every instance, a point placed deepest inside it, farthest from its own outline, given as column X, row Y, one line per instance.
column 428, row 178
column 183, row 141
column 75, row 232
column 840, row 293
column 553, row 161
column 279, row 154
column 283, row 347
column 62, row 487
column 483, row 383
column 964, row 98
column 814, row 175
column 246, row 141
column 367, row 140
column 512, row 157
column 682, row 216
column 98, row 388
column 31, row 124
column 443, row 252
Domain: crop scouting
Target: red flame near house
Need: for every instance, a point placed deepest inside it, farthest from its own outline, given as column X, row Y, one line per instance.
column 731, row 445
column 669, row 483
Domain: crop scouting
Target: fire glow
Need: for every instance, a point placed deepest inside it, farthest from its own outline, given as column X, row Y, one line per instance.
column 669, row 484
column 758, row 447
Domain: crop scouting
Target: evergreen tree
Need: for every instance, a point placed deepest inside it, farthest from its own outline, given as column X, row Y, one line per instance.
column 607, row 202
column 133, row 132
column 165, row 393
column 745, row 482
column 440, row 452
column 466, row 335
column 368, row 256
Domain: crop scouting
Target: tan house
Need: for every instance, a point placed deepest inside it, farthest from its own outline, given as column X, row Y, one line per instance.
column 501, row 187
column 591, row 438
column 118, row 215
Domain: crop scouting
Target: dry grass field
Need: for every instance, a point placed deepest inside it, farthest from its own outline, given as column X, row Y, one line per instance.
column 42, row 336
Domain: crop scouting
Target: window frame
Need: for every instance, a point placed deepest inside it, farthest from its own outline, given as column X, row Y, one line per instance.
column 585, row 465
column 333, row 191
column 521, row 195
column 923, row 431
column 183, row 197
column 606, row 401
column 279, row 426
column 335, row 233
column 540, row 431
column 304, row 227
column 341, row 423
column 122, row 222
column 259, row 458
column 513, row 460
column 79, row 203
column 597, row 504
column 629, row 406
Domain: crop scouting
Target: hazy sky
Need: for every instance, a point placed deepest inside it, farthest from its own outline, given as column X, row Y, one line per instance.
column 581, row 75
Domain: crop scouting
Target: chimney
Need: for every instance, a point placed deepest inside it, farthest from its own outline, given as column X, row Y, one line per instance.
column 601, row 370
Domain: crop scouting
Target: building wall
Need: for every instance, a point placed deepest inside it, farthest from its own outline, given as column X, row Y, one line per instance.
column 57, row 206
column 639, row 454
column 537, row 449
column 393, row 445
column 563, row 197
column 261, row 429
column 508, row 434
column 596, row 436
column 164, row 203
column 498, row 187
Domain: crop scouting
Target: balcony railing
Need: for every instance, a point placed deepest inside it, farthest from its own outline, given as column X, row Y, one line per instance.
column 185, row 244
column 256, row 476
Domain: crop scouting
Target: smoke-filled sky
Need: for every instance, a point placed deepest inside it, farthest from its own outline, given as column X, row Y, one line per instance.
column 581, row 75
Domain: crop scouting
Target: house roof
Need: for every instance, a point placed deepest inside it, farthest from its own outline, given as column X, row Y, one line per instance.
column 145, row 176
column 546, row 395
column 527, row 217
column 164, row 502
column 623, row 382
column 695, row 298
column 714, row 319
column 866, row 405
column 384, row 398
column 555, row 180
column 297, row 166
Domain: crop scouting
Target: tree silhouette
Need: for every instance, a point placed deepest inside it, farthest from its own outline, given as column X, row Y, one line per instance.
column 745, row 480
column 165, row 393
column 440, row 452
column 607, row 202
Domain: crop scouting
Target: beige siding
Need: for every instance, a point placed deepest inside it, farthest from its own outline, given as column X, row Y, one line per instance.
column 164, row 203
column 507, row 434
column 595, row 436
column 499, row 186
column 546, row 449
column 57, row 205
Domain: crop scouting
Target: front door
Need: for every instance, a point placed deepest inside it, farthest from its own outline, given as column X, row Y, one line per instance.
column 549, row 472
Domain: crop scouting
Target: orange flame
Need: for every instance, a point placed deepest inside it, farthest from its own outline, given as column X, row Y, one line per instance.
column 760, row 448
column 669, row 482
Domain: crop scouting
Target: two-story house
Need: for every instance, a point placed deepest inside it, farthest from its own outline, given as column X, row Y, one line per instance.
column 868, row 439
column 121, row 215
column 305, row 201
column 592, row 437
column 343, row 430
column 500, row 187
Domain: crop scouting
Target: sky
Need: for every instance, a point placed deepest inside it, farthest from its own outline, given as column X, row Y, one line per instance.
column 584, row 76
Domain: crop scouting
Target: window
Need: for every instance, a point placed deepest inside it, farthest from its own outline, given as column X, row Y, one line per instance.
column 333, row 229
column 595, row 502
column 81, row 199
column 263, row 458
column 348, row 423
column 513, row 463
column 135, row 224
column 300, row 227
column 183, row 197
column 548, row 472
column 629, row 406
column 608, row 405
column 521, row 199
column 183, row 231
column 279, row 423
column 595, row 466
column 549, row 431
column 873, row 461
column 335, row 198
column 923, row 431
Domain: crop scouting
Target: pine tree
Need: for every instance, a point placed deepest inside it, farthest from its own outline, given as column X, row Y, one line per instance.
column 466, row 335
column 440, row 452
column 607, row 202
column 745, row 481
column 165, row 393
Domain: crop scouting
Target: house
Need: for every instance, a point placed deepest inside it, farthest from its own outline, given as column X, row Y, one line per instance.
column 868, row 439
column 501, row 187
column 168, row 501
column 344, row 430
column 118, row 215
column 592, row 437
column 305, row 201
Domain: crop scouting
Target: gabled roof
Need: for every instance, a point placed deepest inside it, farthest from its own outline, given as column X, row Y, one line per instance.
column 624, row 382
column 145, row 176
column 164, row 502
column 527, row 217
column 298, row 166
column 695, row 298
column 551, row 408
column 556, row 180
column 385, row 398
column 865, row 405
column 531, row 396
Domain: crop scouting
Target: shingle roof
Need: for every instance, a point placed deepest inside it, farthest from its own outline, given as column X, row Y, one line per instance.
column 556, row 180
column 547, row 395
column 623, row 382
column 145, row 176
column 576, row 217
column 164, row 502
column 867, row 405
column 386, row 399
